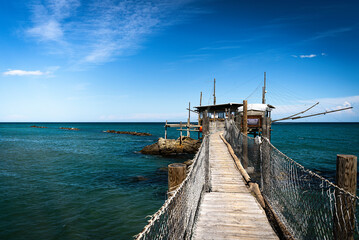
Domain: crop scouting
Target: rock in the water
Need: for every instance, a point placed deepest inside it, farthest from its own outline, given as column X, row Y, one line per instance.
column 73, row 129
column 162, row 169
column 130, row 133
column 172, row 146
column 139, row 178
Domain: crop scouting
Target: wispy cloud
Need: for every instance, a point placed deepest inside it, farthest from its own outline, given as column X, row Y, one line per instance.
column 18, row 72
column 97, row 31
column 23, row 73
column 308, row 55
column 331, row 33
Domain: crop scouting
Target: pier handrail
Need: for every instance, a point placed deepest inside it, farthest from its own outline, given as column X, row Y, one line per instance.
column 176, row 218
column 309, row 205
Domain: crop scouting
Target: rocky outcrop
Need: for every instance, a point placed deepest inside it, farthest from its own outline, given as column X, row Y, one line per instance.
column 130, row 133
column 34, row 126
column 73, row 129
column 172, row 146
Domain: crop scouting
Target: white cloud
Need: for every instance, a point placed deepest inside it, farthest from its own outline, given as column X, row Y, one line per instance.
column 23, row 73
column 48, row 72
column 308, row 56
column 50, row 30
column 98, row 31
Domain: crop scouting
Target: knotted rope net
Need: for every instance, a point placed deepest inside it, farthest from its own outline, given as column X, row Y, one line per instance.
column 310, row 206
column 176, row 218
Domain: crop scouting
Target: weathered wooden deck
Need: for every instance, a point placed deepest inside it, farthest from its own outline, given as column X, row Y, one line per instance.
column 229, row 211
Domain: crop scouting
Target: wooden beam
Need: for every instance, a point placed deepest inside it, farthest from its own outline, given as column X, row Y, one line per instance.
column 323, row 113
column 289, row 117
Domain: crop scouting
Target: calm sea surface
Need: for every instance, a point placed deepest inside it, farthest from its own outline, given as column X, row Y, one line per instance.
column 87, row 184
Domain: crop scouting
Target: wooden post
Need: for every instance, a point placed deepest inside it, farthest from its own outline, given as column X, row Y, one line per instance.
column 188, row 132
column 245, row 121
column 266, row 159
column 189, row 119
column 176, row 175
column 214, row 92
column 346, row 178
column 205, row 123
column 264, row 90
column 245, row 132
column 181, row 133
column 166, row 130
column 265, row 127
column 266, row 166
column 238, row 120
column 199, row 114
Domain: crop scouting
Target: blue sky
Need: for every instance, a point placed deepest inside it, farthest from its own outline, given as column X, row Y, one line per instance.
column 134, row 60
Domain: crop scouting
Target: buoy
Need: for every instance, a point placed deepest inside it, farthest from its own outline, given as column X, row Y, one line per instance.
column 200, row 128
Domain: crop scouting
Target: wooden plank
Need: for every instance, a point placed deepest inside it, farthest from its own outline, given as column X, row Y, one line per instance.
column 229, row 211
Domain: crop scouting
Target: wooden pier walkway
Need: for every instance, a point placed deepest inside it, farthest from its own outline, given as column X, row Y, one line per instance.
column 229, row 211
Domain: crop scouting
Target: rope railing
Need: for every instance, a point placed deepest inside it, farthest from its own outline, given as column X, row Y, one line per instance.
column 310, row 206
column 176, row 218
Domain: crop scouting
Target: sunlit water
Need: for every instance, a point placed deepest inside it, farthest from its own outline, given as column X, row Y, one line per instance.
column 87, row 184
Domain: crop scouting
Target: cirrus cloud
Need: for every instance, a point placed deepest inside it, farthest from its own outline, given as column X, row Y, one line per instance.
column 97, row 31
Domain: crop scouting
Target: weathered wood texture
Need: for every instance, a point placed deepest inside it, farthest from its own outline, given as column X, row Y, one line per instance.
column 245, row 132
column 176, row 175
column 229, row 211
column 346, row 178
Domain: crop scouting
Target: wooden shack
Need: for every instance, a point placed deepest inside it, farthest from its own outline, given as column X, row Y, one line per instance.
column 217, row 114
column 256, row 112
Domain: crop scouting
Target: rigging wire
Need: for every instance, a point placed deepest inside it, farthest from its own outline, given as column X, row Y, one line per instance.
column 250, row 95
column 237, row 85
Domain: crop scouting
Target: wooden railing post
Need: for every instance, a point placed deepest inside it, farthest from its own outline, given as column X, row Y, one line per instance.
column 205, row 123
column 266, row 168
column 346, row 178
column 176, row 175
column 245, row 132
column 166, row 130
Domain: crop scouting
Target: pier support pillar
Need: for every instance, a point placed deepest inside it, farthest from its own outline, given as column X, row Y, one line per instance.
column 176, row 174
column 344, row 215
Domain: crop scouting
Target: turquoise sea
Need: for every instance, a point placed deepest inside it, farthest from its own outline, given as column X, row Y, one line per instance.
column 87, row 184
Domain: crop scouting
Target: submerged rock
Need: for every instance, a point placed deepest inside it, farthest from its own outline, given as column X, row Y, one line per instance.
column 34, row 126
column 162, row 169
column 73, row 129
column 130, row 133
column 139, row 179
column 172, row 146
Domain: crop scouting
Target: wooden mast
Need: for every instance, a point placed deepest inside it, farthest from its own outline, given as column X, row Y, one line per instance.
column 214, row 93
column 264, row 90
